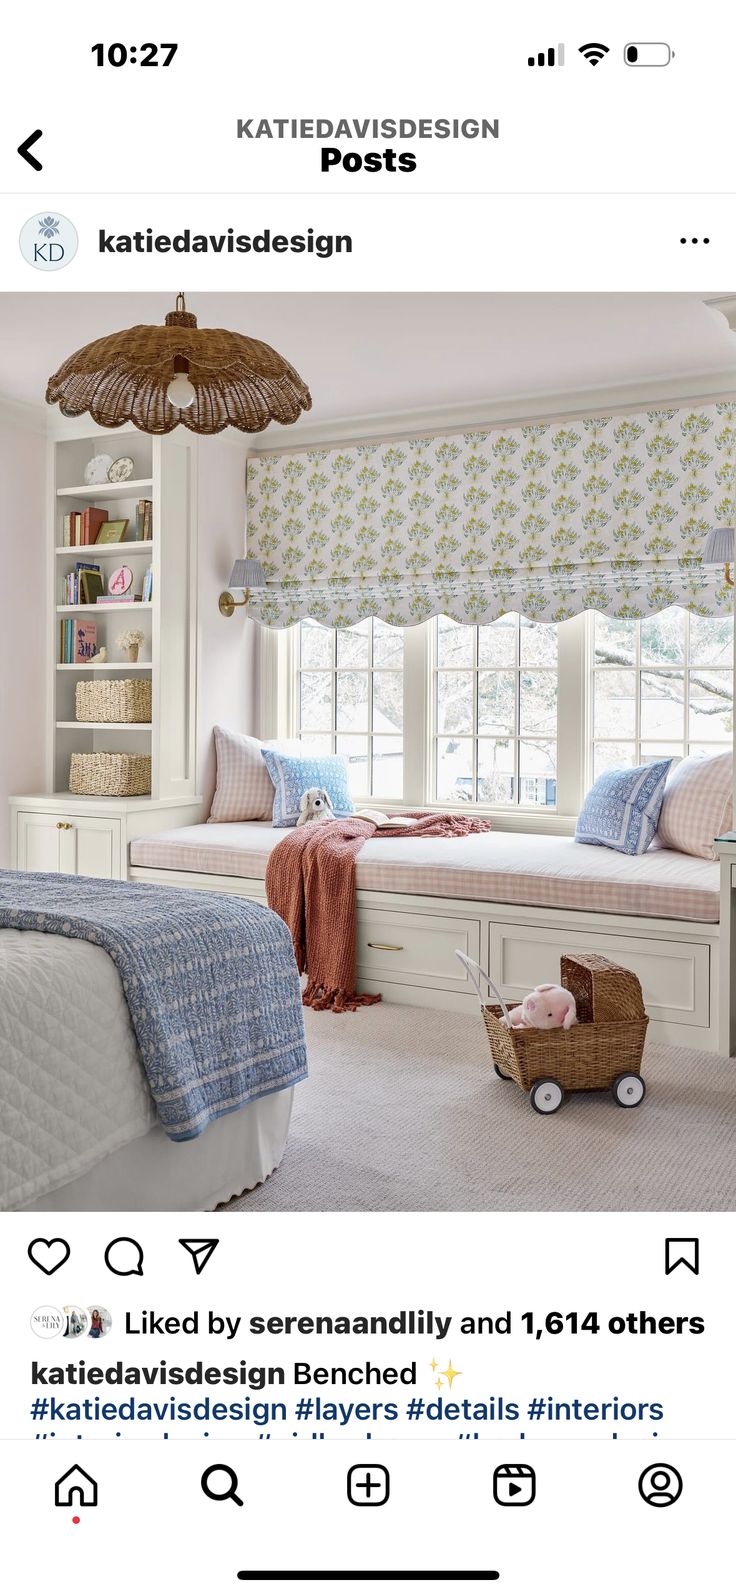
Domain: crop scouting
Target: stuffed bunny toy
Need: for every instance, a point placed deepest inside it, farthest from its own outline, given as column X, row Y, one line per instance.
column 546, row 1008
column 315, row 805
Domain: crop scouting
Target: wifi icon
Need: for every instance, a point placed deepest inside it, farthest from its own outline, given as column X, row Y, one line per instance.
column 594, row 52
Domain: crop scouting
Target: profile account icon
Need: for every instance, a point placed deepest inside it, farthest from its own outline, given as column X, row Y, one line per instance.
column 660, row 1485
column 75, row 1488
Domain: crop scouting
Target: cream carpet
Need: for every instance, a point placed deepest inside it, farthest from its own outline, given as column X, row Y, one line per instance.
column 402, row 1112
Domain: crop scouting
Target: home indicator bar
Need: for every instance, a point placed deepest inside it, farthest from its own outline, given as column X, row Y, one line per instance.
column 376, row 1575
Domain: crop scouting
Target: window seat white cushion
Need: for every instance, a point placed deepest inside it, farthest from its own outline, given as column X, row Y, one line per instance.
column 495, row 866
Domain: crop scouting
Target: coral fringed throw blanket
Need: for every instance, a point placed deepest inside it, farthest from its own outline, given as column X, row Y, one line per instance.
column 310, row 883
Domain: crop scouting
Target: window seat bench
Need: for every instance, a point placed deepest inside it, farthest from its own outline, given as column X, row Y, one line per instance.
column 512, row 901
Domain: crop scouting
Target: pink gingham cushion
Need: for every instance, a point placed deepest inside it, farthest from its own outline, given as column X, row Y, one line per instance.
column 244, row 789
column 697, row 804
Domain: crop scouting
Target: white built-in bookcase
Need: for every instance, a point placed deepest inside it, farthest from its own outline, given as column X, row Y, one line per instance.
column 164, row 472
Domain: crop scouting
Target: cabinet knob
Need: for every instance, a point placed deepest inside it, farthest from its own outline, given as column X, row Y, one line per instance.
column 64, row 825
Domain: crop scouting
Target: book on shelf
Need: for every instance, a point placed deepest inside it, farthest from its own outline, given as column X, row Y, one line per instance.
column 66, row 642
column 92, row 520
column 148, row 585
column 74, row 584
column 107, row 600
column 144, row 520
column 82, row 526
column 85, row 641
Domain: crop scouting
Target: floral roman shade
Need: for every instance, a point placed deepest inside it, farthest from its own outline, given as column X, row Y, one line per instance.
column 610, row 513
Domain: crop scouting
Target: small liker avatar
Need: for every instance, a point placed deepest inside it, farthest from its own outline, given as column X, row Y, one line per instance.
column 314, row 805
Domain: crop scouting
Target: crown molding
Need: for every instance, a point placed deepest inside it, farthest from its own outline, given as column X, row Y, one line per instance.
column 700, row 387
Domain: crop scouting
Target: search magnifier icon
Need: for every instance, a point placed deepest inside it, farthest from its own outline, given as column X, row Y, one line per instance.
column 226, row 1480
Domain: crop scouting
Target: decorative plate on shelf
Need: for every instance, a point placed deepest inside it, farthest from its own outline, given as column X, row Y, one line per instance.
column 121, row 580
column 96, row 469
column 121, row 470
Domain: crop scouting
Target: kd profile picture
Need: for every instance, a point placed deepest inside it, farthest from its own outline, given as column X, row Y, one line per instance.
column 48, row 241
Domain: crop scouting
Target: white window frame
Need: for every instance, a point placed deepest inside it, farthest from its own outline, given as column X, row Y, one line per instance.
column 570, row 688
column 334, row 671
column 639, row 669
column 277, row 654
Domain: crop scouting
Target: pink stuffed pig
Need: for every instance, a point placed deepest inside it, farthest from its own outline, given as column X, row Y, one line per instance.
column 546, row 1008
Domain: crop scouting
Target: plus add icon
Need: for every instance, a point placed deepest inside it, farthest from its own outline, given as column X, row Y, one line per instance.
column 368, row 1486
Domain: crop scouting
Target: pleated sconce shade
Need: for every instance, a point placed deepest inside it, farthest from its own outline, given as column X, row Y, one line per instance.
column 237, row 381
column 247, row 573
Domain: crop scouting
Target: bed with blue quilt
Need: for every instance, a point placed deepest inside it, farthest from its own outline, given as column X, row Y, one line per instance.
column 150, row 1041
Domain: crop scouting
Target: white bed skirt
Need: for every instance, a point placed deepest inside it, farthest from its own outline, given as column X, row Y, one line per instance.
column 153, row 1174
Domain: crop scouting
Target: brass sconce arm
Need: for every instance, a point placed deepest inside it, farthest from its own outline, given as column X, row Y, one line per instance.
column 245, row 576
column 228, row 605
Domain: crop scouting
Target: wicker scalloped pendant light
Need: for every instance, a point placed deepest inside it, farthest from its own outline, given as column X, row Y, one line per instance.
column 219, row 378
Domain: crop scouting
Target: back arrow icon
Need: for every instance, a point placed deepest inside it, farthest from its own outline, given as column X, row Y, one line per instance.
column 25, row 148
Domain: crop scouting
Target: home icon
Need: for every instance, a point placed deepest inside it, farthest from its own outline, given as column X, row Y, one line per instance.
column 75, row 1488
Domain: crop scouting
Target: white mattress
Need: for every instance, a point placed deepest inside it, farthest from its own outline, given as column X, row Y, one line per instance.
column 494, row 866
column 78, row 1127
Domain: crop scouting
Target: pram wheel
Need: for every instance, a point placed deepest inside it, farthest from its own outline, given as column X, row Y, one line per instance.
column 628, row 1090
column 546, row 1096
column 500, row 1073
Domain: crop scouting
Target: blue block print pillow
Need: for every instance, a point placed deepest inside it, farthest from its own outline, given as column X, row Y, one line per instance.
column 622, row 808
column 292, row 776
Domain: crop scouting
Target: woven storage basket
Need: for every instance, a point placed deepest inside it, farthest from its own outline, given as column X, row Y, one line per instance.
column 110, row 774
column 607, row 1041
column 113, row 700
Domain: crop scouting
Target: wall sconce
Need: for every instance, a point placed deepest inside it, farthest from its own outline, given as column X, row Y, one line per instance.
column 246, row 574
column 719, row 550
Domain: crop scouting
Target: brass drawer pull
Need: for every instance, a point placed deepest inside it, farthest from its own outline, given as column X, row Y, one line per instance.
column 386, row 946
column 64, row 825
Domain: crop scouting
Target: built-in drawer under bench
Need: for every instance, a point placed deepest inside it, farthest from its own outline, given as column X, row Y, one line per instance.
column 405, row 948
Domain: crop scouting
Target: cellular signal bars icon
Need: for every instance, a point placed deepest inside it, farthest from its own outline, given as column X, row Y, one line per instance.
column 548, row 58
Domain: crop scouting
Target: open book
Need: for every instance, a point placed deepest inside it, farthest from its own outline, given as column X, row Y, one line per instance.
column 384, row 822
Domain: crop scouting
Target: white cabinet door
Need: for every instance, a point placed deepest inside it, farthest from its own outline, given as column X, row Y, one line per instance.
column 71, row 844
column 98, row 850
column 38, row 843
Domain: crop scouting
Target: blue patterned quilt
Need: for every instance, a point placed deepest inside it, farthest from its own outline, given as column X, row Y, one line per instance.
column 210, row 981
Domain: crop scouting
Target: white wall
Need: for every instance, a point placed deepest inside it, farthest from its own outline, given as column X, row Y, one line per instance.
column 226, row 673
column 22, row 630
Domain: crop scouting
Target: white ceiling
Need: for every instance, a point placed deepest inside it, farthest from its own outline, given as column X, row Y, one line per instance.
column 389, row 354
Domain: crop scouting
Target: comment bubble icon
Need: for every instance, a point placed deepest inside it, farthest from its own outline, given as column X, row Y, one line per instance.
column 124, row 1256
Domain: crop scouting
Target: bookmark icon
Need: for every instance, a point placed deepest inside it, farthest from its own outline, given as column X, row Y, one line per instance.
column 682, row 1251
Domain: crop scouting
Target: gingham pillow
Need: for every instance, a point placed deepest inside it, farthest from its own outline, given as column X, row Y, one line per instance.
column 244, row 789
column 697, row 804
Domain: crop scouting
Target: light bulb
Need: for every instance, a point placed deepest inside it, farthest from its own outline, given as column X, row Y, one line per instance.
column 180, row 392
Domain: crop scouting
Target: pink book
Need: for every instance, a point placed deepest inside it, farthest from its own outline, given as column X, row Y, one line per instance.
column 85, row 642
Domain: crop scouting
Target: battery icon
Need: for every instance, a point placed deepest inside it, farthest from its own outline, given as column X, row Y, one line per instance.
column 647, row 54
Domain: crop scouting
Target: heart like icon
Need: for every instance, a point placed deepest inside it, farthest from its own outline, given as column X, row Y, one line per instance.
column 49, row 1255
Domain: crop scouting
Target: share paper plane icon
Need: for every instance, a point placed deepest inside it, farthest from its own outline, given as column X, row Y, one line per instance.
column 200, row 1252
